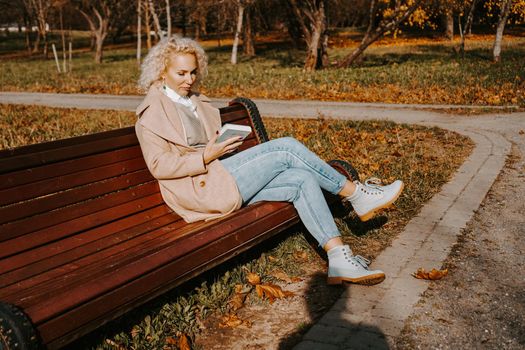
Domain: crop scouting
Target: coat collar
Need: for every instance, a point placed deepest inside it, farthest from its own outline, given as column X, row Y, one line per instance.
column 164, row 118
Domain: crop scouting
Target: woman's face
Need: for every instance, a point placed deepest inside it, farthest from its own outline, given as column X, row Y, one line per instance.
column 181, row 73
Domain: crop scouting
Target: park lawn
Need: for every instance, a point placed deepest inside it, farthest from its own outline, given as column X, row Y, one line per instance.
column 402, row 70
column 424, row 158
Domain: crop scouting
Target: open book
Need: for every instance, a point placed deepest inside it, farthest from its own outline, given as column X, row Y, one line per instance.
column 232, row 130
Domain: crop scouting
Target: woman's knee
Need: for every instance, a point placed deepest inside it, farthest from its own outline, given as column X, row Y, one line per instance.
column 289, row 143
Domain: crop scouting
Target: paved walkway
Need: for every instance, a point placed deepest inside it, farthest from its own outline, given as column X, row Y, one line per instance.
column 371, row 317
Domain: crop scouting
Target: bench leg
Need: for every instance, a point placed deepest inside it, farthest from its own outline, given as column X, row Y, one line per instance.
column 16, row 330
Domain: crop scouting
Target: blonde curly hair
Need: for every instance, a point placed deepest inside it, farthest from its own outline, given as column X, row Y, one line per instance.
column 156, row 62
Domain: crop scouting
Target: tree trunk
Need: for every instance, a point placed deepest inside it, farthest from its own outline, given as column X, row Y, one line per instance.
column 503, row 15
column 383, row 27
column 139, row 34
column 247, row 42
column 63, row 34
column 468, row 23
column 237, row 34
column 314, row 32
column 99, row 45
column 168, row 17
column 27, row 24
column 99, row 30
column 448, row 24
column 158, row 29
column 148, row 24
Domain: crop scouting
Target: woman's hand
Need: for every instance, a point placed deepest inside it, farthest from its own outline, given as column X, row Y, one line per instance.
column 215, row 150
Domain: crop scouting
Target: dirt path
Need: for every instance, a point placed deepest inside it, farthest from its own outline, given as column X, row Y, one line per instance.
column 481, row 304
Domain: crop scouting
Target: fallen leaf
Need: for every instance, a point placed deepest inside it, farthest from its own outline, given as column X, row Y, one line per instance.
column 272, row 292
column 281, row 275
column 184, row 343
column 396, row 153
column 521, row 132
column 171, row 341
column 237, row 300
column 233, row 321
column 253, row 278
column 431, row 275
column 300, row 255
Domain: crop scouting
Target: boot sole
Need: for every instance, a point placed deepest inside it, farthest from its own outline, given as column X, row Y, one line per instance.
column 365, row 280
column 371, row 213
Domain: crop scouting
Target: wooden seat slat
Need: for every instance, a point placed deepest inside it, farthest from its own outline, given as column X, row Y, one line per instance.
column 68, row 228
column 25, row 176
column 46, row 306
column 61, row 199
column 60, row 183
column 92, row 267
column 92, row 313
column 42, row 221
column 70, row 151
column 38, row 260
column 134, row 243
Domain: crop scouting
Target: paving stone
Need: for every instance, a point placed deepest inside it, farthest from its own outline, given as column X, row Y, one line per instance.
column 366, row 338
column 342, row 318
column 327, row 334
column 313, row 345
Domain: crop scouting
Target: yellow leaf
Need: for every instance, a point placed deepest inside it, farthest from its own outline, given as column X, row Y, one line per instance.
column 272, row 292
column 432, row 275
column 253, row 278
column 233, row 321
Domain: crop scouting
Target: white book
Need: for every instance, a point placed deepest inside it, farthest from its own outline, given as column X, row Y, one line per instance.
column 232, row 130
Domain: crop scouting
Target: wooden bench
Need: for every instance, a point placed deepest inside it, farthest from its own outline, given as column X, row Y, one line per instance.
column 85, row 235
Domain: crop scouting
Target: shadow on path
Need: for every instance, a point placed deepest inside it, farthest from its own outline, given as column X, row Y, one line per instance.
column 334, row 329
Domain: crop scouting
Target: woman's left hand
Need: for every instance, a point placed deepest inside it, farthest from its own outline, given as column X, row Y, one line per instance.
column 215, row 150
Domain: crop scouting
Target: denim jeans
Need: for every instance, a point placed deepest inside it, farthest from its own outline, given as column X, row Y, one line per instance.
column 285, row 170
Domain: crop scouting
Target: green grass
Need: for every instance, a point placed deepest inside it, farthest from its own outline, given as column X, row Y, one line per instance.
column 403, row 71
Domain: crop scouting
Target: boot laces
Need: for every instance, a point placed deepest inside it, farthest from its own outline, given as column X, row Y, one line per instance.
column 356, row 259
column 362, row 261
column 373, row 186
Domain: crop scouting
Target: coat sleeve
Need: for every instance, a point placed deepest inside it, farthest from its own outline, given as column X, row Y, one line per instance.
column 163, row 162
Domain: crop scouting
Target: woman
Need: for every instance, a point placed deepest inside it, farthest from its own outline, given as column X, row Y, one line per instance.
column 177, row 130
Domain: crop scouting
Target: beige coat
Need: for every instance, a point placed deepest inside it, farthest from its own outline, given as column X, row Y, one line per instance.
column 192, row 189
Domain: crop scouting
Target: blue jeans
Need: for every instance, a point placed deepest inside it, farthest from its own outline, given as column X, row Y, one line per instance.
column 285, row 170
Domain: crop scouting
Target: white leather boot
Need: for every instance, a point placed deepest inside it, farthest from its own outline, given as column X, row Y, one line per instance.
column 370, row 197
column 345, row 267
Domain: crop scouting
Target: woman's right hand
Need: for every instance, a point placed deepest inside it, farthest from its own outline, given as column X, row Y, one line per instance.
column 215, row 150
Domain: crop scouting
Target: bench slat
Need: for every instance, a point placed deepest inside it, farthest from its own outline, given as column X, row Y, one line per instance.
column 61, row 199
column 57, row 153
column 92, row 267
column 279, row 216
column 81, row 223
column 60, row 183
column 27, row 225
column 39, row 260
column 93, row 259
column 25, row 176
